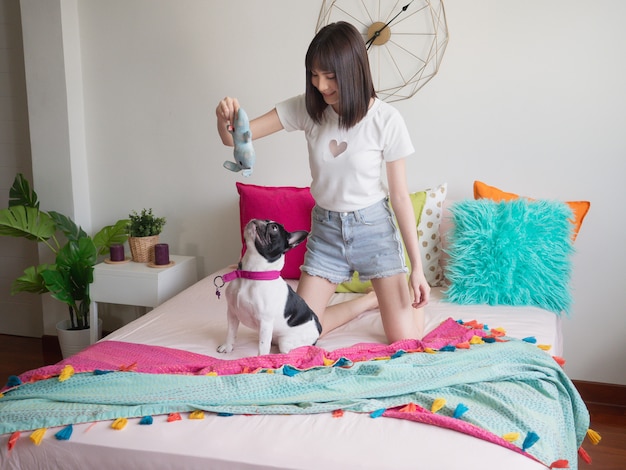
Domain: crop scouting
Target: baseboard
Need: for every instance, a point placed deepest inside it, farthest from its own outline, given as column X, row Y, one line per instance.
column 601, row 393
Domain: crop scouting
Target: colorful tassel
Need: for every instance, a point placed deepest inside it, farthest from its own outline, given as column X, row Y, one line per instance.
column 408, row 408
column 337, row 413
column 377, row 413
column 429, row 350
column 173, row 417
column 328, row 362
column 544, row 347
column 530, row 339
column 498, row 332
column 464, row 345
column 66, row 373
column 448, row 348
column 37, row 435
column 398, row 353
column 90, row 426
column 146, row 420
column 65, row 433
column 224, row 414
column 594, row 437
column 559, row 360
column 582, row 453
column 101, row 372
column 489, row 339
column 290, row 371
column 476, row 340
column 460, row 410
column 343, row 362
column 119, row 424
column 196, row 414
column 212, row 373
column 13, row 381
column 128, row 368
column 474, row 325
column 531, row 439
column 560, row 464
column 438, row 404
column 511, row 436
column 13, row 439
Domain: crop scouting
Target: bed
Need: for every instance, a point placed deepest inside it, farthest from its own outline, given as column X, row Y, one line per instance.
column 484, row 387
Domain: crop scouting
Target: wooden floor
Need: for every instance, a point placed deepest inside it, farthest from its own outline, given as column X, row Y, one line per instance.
column 19, row 354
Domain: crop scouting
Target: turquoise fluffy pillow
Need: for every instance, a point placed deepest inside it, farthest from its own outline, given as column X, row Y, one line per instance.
column 510, row 253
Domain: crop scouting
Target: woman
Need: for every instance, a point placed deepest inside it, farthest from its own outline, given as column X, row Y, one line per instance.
column 350, row 135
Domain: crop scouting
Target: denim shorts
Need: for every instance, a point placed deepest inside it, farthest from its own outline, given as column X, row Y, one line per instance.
column 366, row 240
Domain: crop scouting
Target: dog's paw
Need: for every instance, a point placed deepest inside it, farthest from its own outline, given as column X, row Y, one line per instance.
column 225, row 348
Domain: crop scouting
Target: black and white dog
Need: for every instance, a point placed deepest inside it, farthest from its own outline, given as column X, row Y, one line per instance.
column 260, row 299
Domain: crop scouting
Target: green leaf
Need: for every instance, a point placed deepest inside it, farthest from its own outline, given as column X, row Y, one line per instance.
column 70, row 282
column 145, row 224
column 59, row 283
column 27, row 222
column 66, row 225
column 76, row 261
column 32, row 281
column 20, row 193
column 110, row 235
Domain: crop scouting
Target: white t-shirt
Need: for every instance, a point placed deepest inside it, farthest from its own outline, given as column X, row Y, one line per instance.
column 347, row 165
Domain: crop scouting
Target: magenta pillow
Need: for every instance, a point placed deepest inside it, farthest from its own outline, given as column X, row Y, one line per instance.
column 289, row 206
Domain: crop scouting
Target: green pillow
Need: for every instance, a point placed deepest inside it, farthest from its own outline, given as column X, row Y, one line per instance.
column 355, row 285
column 514, row 252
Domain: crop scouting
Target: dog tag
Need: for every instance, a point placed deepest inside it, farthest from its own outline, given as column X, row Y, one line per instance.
column 218, row 286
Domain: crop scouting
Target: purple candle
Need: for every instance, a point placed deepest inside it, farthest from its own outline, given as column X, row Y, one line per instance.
column 116, row 252
column 161, row 254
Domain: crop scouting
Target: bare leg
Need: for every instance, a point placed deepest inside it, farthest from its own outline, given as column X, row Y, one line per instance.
column 317, row 291
column 400, row 319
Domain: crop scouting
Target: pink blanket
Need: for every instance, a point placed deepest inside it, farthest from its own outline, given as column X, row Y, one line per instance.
column 114, row 355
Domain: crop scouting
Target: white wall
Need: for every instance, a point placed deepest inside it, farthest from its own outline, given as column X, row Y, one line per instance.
column 528, row 98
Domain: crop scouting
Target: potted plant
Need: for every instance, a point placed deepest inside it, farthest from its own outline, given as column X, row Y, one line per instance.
column 69, row 278
column 143, row 233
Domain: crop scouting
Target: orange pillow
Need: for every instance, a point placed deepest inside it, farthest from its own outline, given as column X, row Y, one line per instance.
column 579, row 208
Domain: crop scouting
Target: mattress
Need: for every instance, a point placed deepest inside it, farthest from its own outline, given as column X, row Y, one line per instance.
column 195, row 321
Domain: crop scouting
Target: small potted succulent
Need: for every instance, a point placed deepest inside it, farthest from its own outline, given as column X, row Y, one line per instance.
column 143, row 233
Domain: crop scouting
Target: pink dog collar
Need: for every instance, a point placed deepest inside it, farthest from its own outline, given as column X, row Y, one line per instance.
column 238, row 273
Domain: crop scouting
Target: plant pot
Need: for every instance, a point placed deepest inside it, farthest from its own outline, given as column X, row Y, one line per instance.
column 142, row 248
column 73, row 341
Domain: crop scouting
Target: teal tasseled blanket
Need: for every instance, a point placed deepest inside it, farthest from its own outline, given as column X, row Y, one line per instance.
column 488, row 390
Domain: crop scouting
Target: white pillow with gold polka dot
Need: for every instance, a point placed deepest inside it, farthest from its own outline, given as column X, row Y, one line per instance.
column 429, row 236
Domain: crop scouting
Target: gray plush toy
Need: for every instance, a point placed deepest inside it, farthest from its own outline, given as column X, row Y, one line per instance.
column 242, row 139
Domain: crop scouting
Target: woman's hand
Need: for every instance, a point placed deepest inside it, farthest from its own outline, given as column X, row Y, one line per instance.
column 260, row 127
column 420, row 288
column 226, row 111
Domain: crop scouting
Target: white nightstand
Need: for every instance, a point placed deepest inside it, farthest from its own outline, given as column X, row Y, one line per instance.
column 138, row 284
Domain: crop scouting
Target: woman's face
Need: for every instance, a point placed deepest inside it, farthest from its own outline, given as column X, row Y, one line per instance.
column 326, row 84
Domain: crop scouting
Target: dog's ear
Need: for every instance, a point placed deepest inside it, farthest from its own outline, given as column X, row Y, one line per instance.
column 295, row 238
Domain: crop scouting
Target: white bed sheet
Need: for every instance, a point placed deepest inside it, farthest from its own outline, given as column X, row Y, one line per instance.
column 195, row 320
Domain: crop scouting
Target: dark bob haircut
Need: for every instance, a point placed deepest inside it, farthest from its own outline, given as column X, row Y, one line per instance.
column 339, row 48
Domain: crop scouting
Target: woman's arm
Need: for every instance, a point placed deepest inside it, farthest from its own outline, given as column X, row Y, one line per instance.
column 264, row 125
column 403, row 209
